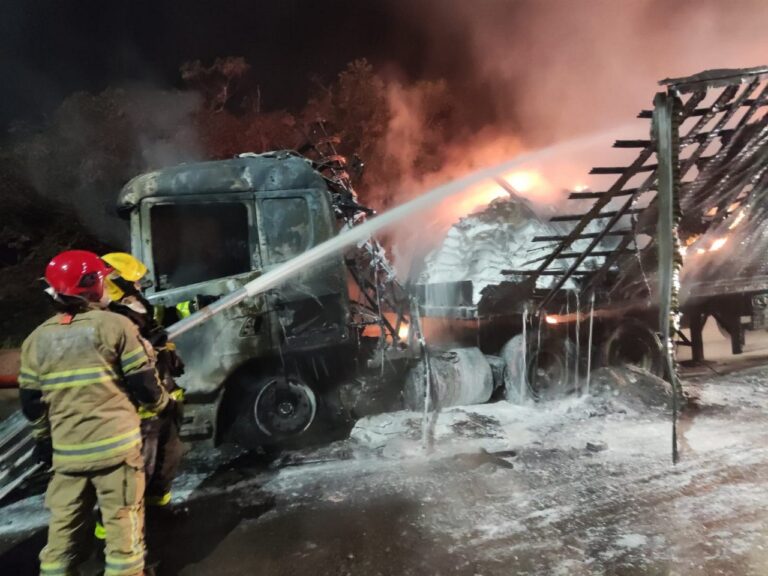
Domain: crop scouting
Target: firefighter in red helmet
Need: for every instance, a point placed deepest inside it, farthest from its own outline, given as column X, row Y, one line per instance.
column 83, row 374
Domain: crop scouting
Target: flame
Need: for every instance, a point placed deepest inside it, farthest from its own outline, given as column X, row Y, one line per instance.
column 476, row 198
column 528, row 183
column 739, row 217
column 717, row 244
column 375, row 330
column 549, row 319
column 524, row 180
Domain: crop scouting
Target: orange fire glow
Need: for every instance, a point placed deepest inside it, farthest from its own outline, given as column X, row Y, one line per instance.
column 476, row 198
column 374, row 330
column 528, row 183
column 549, row 319
column 524, row 180
column 717, row 244
column 739, row 217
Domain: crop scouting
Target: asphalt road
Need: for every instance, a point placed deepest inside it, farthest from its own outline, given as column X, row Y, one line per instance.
column 506, row 490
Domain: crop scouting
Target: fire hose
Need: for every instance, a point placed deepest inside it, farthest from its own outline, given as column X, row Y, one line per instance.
column 8, row 381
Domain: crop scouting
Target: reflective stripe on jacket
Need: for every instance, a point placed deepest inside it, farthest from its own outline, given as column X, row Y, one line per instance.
column 80, row 367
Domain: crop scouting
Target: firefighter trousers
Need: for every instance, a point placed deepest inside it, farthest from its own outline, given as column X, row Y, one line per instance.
column 119, row 492
column 162, row 451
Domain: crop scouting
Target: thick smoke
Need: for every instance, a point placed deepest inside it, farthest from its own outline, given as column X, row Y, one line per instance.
column 530, row 73
column 96, row 142
column 556, row 68
column 163, row 121
column 498, row 77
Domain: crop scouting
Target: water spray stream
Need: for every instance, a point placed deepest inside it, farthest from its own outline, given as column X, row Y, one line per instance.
column 565, row 341
column 538, row 339
column 589, row 340
column 578, row 329
column 364, row 231
column 416, row 327
column 524, row 371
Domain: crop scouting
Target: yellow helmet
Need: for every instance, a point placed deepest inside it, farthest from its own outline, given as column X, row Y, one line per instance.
column 126, row 267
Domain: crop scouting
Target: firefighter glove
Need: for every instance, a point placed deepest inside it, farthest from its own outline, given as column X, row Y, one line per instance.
column 43, row 452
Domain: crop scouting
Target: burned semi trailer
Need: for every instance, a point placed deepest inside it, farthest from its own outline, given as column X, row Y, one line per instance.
column 306, row 357
column 692, row 195
column 328, row 345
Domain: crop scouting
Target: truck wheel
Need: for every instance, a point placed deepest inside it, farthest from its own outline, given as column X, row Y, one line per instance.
column 274, row 409
column 634, row 342
column 551, row 369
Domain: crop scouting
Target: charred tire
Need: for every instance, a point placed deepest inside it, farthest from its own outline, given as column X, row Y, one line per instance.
column 551, row 369
column 633, row 342
column 273, row 410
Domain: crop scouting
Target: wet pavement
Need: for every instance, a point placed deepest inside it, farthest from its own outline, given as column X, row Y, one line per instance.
column 577, row 487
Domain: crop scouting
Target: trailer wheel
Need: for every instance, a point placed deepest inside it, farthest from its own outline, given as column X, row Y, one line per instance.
column 551, row 370
column 634, row 342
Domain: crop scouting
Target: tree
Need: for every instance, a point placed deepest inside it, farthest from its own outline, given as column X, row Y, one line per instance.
column 224, row 84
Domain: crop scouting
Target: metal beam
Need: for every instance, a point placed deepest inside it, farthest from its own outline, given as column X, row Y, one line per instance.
column 576, row 217
column 606, row 194
column 585, row 236
column 622, row 169
column 665, row 129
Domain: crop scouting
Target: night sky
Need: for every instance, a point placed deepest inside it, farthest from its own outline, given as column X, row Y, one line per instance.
column 549, row 67
column 50, row 48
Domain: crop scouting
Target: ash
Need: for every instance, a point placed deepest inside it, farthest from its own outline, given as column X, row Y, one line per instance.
column 578, row 486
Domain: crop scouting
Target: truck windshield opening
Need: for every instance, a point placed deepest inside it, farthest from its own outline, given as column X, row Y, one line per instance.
column 197, row 242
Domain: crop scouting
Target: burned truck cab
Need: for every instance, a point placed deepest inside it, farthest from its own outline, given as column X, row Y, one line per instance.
column 206, row 229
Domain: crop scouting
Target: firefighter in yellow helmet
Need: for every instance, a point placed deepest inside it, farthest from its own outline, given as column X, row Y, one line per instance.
column 162, row 447
column 83, row 374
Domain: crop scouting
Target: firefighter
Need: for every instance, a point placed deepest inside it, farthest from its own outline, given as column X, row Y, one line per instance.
column 83, row 374
column 162, row 447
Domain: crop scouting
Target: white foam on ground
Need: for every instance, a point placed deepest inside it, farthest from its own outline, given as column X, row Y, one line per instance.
column 561, row 509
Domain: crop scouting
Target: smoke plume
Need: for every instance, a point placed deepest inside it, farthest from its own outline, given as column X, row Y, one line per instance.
column 553, row 68
column 530, row 73
column 96, row 142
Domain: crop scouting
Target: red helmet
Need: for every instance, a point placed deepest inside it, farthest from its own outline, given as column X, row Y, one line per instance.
column 77, row 273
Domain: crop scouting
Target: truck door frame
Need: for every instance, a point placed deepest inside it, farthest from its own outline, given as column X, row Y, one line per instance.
column 144, row 248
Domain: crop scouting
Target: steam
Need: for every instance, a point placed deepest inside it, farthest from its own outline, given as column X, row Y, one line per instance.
column 419, row 152
column 96, row 142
